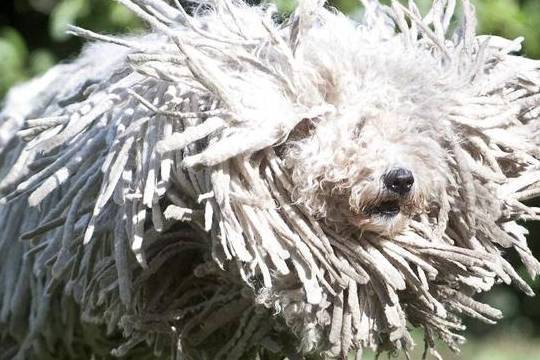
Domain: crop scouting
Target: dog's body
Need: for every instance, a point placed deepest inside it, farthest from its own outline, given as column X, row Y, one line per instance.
column 312, row 187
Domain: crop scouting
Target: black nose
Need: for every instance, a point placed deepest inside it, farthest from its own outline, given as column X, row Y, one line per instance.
column 399, row 180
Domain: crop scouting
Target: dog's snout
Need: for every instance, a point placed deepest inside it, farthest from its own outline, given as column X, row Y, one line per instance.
column 399, row 180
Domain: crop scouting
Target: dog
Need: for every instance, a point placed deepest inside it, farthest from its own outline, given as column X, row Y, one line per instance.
column 231, row 186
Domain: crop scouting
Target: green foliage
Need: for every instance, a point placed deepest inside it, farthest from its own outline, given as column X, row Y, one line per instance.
column 65, row 13
column 512, row 18
column 25, row 51
column 13, row 52
column 285, row 6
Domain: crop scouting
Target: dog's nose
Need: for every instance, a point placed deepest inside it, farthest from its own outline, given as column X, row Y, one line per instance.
column 399, row 180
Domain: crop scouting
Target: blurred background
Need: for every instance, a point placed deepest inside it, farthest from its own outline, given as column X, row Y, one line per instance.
column 33, row 38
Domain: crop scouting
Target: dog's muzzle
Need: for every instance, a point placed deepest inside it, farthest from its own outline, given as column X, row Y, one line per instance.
column 398, row 184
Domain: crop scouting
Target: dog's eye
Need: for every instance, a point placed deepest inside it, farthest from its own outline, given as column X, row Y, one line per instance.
column 357, row 131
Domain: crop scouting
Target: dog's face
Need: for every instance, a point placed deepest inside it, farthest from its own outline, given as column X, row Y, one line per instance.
column 374, row 171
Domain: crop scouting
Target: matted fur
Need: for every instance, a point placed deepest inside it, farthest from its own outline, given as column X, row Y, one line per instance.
column 207, row 190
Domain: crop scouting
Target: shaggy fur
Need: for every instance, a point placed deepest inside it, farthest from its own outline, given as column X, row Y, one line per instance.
column 217, row 188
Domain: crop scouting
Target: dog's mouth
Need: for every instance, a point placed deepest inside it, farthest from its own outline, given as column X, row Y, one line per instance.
column 388, row 208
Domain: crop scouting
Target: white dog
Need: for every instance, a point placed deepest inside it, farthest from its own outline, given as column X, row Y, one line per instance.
column 226, row 186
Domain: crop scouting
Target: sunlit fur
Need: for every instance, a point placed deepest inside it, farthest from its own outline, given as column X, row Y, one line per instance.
column 152, row 179
column 391, row 116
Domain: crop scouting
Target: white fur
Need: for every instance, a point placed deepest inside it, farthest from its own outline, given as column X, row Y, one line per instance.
column 206, row 189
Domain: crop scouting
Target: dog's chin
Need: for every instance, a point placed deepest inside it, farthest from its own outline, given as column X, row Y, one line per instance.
column 387, row 218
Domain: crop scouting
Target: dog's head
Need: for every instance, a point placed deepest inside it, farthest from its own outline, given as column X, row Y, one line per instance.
column 374, row 171
column 382, row 155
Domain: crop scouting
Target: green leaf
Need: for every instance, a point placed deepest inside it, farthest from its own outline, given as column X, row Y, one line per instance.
column 15, row 40
column 66, row 13
column 13, row 55
column 285, row 6
column 120, row 16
